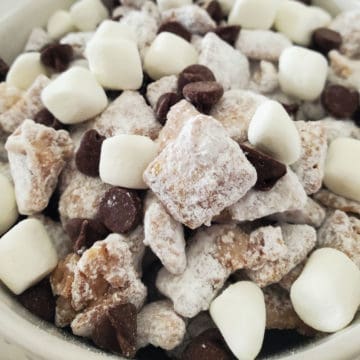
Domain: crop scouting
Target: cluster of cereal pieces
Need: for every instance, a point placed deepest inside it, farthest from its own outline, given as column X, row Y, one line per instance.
column 177, row 152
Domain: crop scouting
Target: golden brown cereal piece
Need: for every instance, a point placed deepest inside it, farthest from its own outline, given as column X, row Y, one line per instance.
column 9, row 96
column 64, row 313
column 265, row 78
column 37, row 155
column 287, row 281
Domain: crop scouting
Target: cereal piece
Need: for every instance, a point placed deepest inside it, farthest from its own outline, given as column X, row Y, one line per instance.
column 164, row 235
column 9, row 96
column 26, row 108
column 37, row 155
column 310, row 167
column 262, row 44
column 152, row 9
column 200, row 174
column 230, row 67
column 37, row 40
column 78, row 41
column 235, row 111
column 166, row 84
column 128, row 114
column 287, row 281
column 265, row 78
column 135, row 241
column 300, row 240
column 160, row 326
column 195, row 19
column 342, row 233
column 311, row 214
column 287, row 194
column 334, row 201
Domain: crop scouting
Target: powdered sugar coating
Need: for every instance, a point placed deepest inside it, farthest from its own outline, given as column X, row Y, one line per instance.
column 9, row 96
column 78, row 41
column 287, row 281
column 311, row 110
column 265, row 78
column 135, row 241
column 159, row 87
column 211, row 172
column 37, row 40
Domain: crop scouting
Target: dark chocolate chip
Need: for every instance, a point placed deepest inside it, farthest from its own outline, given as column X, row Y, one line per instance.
column 104, row 335
column 269, row 170
column 120, row 210
column 123, row 318
column 40, row 301
column 57, row 56
column 4, row 68
column 340, row 101
column 110, row 4
column 175, row 28
column 228, row 33
column 163, row 105
column 45, row 117
column 291, row 109
column 356, row 117
column 203, row 94
column 213, row 8
column 194, row 73
column 87, row 158
column 325, row 39
column 150, row 272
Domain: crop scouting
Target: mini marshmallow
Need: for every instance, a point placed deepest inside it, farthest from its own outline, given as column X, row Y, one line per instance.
column 37, row 40
column 326, row 295
column 8, row 208
column 87, row 14
column 27, row 255
column 59, row 24
column 25, row 69
column 335, row 7
column 254, row 14
column 239, row 313
column 302, row 72
column 272, row 131
column 171, row 4
column 113, row 30
column 298, row 21
column 342, row 176
column 74, row 96
column 169, row 54
column 124, row 158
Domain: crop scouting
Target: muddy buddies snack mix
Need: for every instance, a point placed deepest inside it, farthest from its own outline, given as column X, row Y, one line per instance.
column 180, row 177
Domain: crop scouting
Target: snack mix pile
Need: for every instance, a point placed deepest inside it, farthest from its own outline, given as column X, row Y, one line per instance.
column 180, row 179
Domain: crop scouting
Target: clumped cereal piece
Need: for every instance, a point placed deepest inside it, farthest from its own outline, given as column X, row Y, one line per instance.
column 262, row 44
column 78, row 41
column 135, row 241
column 9, row 96
column 235, row 111
column 334, row 201
column 341, row 232
column 194, row 18
column 160, row 87
column 164, row 235
column 27, row 107
column 311, row 110
column 128, row 114
column 310, row 167
column 230, row 67
column 160, row 326
column 287, row 281
column 37, row 40
column 211, row 173
column 300, row 240
column 37, row 155
column 265, row 78
column 287, row 194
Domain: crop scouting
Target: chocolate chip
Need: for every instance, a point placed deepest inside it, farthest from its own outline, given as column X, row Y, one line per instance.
column 57, row 56
column 4, row 68
column 209, row 345
column 104, row 335
column 356, row 117
column 203, row 94
column 213, row 8
column 291, row 109
column 163, row 105
column 194, row 73
column 228, row 33
column 87, row 158
column 175, row 28
column 39, row 300
column 85, row 232
column 120, row 210
column 123, row 318
column 110, row 4
column 45, row 117
column 340, row 101
column 269, row 170
column 325, row 39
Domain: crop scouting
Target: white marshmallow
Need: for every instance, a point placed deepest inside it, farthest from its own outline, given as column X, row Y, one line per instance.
column 113, row 30
column 124, row 159
column 27, row 255
column 326, row 295
column 335, row 7
column 239, row 313
column 59, row 24
column 25, row 69
column 302, row 72
column 298, row 21
column 169, row 54
column 254, row 14
column 74, row 96
column 171, row 4
column 8, row 208
column 272, row 131
column 342, row 173
column 87, row 14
